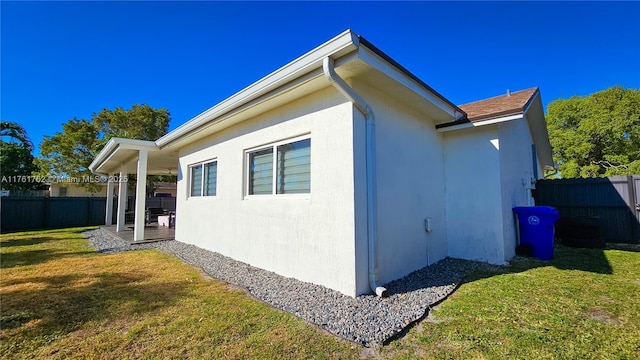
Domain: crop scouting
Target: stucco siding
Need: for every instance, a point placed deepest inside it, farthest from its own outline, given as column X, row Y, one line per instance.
column 310, row 238
column 473, row 194
column 410, row 186
column 516, row 169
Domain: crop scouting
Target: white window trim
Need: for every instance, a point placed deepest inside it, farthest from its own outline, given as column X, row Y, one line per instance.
column 189, row 182
column 274, row 146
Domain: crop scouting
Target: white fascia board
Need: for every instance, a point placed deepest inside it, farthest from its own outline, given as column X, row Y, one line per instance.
column 287, row 73
column 531, row 101
column 114, row 144
column 480, row 123
column 106, row 151
column 137, row 144
column 539, row 132
column 393, row 72
column 254, row 102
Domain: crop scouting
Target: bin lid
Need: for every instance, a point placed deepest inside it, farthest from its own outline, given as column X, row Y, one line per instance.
column 539, row 210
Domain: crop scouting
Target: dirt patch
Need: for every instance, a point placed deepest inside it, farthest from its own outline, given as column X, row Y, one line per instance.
column 605, row 317
column 369, row 353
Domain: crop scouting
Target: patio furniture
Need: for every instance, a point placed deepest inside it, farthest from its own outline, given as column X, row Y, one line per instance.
column 152, row 213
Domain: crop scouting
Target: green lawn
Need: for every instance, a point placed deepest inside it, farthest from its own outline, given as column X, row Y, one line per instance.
column 59, row 299
column 584, row 304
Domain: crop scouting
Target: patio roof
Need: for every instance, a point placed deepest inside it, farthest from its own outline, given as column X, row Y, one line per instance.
column 119, row 151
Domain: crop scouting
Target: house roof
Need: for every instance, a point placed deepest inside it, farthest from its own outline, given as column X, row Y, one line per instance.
column 347, row 47
column 522, row 104
column 354, row 57
column 498, row 106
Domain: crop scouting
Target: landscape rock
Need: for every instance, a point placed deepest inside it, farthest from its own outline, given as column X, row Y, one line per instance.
column 366, row 319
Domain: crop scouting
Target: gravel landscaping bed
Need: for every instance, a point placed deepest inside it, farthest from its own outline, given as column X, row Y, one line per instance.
column 366, row 319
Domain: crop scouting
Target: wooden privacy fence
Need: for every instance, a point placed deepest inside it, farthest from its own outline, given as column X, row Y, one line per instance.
column 612, row 204
column 31, row 213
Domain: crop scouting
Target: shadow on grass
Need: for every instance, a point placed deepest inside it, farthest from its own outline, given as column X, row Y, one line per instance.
column 565, row 258
column 450, row 271
column 33, row 257
column 64, row 303
column 623, row 247
column 27, row 241
column 72, row 230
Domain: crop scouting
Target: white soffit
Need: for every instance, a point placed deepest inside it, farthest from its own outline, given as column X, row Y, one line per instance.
column 448, row 112
column 302, row 75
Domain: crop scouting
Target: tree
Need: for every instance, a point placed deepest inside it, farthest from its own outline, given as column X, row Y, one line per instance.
column 16, row 132
column 16, row 161
column 70, row 152
column 596, row 135
column 140, row 122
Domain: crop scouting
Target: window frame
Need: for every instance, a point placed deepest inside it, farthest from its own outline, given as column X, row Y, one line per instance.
column 274, row 146
column 202, row 165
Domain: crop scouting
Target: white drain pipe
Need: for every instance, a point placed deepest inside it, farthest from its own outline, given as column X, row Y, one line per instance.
column 363, row 107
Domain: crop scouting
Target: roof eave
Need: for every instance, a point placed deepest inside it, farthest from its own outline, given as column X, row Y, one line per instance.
column 114, row 144
column 339, row 45
column 343, row 44
column 456, row 111
column 539, row 132
column 458, row 125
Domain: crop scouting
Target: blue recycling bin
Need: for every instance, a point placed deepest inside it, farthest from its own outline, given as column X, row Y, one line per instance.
column 537, row 225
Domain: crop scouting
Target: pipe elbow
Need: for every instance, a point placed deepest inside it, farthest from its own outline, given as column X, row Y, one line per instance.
column 327, row 69
column 381, row 291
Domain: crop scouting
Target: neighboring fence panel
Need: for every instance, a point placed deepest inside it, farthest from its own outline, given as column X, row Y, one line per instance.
column 31, row 213
column 607, row 202
column 167, row 203
column 28, row 213
column 28, row 193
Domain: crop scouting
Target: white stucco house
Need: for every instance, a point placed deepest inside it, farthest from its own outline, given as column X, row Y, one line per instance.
column 344, row 169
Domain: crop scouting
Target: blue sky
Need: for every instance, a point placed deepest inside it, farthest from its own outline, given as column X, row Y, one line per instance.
column 61, row 60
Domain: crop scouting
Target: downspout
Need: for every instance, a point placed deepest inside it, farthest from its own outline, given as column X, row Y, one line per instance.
column 363, row 107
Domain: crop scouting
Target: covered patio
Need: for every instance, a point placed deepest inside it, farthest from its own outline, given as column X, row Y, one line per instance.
column 121, row 158
column 151, row 233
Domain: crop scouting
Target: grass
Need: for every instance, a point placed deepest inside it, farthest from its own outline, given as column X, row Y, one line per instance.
column 584, row 304
column 59, row 299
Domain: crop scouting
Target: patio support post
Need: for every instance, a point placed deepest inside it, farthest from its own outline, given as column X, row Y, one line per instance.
column 141, row 196
column 122, row 198
column 109, row 213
